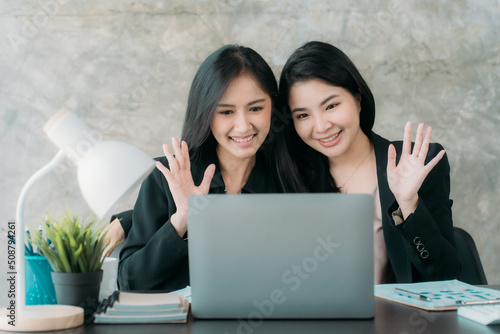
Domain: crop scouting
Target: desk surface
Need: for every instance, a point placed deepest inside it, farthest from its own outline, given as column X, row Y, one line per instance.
column 389, row 318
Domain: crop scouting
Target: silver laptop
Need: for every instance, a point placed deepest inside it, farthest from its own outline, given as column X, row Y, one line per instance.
column 278, row 256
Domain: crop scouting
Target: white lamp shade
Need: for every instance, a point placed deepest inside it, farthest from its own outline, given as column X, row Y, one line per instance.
column 109, row 172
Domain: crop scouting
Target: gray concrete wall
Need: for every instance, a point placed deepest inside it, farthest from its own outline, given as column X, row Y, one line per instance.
column 125, row 68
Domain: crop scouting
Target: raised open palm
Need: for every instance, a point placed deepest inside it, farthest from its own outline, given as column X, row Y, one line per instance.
column 406, row 178
column 180, row 181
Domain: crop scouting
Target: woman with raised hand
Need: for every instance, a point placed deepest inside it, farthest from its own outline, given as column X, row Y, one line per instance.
column 333, row 112
column 228, row 146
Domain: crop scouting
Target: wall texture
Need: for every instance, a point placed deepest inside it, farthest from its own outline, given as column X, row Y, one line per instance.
column 125, row 68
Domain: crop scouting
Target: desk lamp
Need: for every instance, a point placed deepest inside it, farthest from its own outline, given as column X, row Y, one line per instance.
column 107, row 172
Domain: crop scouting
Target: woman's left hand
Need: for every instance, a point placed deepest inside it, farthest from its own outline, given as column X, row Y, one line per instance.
column 407, row 177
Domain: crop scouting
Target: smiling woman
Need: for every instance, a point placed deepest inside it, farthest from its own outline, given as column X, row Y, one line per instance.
column 231, row 109
column 312, row 120
column 333, row 113
column 241, row 121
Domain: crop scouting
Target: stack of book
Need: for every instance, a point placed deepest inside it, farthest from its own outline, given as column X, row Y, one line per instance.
column 132, row 307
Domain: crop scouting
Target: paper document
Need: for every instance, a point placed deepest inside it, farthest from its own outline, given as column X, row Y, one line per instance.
column 436, row 295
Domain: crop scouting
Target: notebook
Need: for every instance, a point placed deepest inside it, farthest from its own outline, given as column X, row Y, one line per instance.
column 281, row 256
column 134, row 307
column 486, row 314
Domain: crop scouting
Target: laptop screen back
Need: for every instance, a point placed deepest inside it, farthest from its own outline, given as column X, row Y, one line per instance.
column 281, row 256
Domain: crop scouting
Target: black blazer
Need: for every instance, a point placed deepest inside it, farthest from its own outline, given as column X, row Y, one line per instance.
column 422, row 248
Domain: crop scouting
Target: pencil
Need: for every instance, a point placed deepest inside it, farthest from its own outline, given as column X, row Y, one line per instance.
column 29, row 248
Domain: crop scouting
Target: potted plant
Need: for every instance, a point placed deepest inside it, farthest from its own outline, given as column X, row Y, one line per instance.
column 74, row 250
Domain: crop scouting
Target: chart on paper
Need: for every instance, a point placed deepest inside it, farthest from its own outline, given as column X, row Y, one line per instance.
column 440, row 295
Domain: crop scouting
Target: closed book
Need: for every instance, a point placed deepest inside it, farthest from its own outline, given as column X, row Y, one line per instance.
column 135, row 307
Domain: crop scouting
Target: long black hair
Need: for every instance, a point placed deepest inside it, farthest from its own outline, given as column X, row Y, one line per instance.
column 319, row 60
column 209, row 85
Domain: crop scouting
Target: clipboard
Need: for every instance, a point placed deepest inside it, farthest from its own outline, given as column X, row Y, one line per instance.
column 442, row 295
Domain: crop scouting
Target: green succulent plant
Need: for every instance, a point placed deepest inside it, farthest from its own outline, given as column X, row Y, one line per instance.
column 70, row 245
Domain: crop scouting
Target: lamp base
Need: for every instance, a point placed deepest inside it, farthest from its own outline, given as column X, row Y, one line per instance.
column 40, row 318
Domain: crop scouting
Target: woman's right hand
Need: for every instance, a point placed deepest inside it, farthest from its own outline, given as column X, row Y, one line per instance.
column 180, row 181
column 113, row 235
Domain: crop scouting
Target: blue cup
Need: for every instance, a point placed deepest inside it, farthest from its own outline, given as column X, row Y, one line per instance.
column 39, row 287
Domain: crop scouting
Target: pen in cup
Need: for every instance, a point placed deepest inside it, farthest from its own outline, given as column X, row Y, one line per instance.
column 47, row 226
column 36, row 250
column 28, row 247
column 414, row 294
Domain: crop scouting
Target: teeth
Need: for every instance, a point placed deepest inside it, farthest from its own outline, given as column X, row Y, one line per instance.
column 243, row 140
column 329, row 139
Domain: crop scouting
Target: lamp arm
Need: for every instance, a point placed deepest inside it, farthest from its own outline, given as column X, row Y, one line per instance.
column 20, row 226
